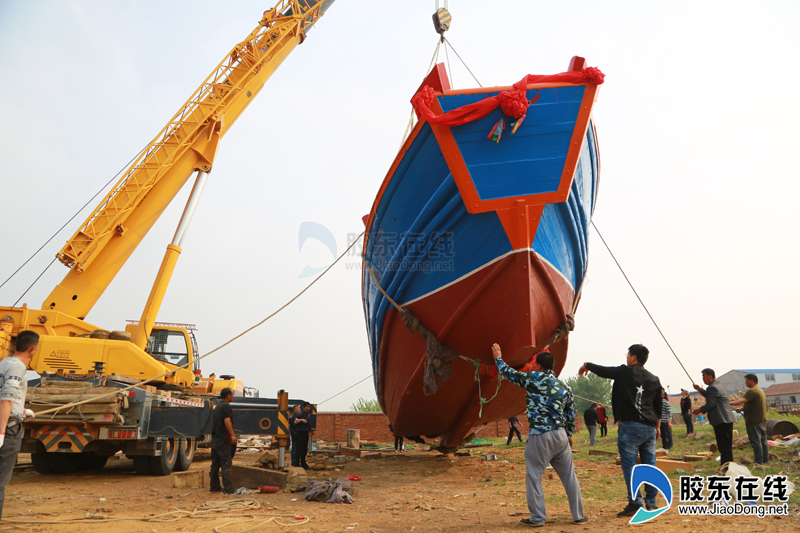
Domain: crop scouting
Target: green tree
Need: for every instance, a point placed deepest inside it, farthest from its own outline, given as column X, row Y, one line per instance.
column 366, row 406
column 592, row 387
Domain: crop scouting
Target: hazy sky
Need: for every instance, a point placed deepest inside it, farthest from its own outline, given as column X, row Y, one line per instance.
column 697, row 126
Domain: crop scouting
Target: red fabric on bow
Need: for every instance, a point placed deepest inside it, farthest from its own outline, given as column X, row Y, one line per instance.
column 514, row 103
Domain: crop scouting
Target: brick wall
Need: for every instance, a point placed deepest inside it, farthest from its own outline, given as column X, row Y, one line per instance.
column 333, row 426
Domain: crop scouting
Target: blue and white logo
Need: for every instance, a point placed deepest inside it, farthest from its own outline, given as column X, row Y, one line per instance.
column 318, row 232
column 653, row 476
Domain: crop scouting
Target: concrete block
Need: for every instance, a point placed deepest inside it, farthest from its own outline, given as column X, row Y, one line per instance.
column 338, row 460
column 353, row 438
column 189, row 480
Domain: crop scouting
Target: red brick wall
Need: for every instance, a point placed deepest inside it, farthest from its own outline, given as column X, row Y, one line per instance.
column 373, row 426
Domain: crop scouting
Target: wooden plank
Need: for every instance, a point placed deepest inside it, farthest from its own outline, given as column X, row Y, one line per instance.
column 692, row 458
column 252, row 478
column 192, row 479
column 670, row 465
column 351, row 452
column 85, row 408
column 602, row 452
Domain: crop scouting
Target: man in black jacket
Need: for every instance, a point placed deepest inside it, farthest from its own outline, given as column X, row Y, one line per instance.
column 686, row 411
column 636, row 401
column 223, row 443
column 720, row 415
column 302, row 426
column 590, row 418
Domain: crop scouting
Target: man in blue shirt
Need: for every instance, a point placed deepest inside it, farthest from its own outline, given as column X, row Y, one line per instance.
column 551, row 418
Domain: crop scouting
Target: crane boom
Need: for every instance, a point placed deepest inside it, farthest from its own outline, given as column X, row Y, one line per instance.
column 188, row 143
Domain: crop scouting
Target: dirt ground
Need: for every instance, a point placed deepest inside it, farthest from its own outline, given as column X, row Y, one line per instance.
column 417, row 491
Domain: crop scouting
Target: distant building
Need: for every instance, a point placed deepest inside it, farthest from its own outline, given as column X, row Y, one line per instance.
column 733, row 381
column 783, row 396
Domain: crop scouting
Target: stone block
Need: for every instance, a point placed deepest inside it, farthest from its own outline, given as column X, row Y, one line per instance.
column 353, row 438
column 295, row 475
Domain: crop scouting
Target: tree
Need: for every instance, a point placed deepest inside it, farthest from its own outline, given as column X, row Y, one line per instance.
column 592, row 387
column 366, row 406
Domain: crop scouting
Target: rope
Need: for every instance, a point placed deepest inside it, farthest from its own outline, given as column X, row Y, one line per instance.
column 641, row 302
column 481, row 399
column 248, row 330
column 463, row 62
column 66, row 223
column 411, row 117
column 231, row 508
column 345, row 390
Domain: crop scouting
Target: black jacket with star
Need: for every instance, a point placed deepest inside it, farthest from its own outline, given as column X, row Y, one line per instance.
column 636, row 394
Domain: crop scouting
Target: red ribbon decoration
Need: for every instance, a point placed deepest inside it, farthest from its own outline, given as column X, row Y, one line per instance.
column 514, row 103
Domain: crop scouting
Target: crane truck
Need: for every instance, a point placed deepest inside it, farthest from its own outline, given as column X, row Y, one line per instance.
column 158, row 424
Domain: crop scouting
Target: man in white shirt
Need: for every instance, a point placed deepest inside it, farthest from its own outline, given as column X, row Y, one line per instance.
column 13, row 386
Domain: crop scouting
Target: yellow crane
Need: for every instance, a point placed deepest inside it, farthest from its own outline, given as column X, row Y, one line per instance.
column 104, row 242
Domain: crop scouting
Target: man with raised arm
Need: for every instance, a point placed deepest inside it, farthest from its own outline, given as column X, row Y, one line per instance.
column 636, row 401
column 551, row 418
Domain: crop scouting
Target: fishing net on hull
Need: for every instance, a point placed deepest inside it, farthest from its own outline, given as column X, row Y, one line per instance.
column 437, row 356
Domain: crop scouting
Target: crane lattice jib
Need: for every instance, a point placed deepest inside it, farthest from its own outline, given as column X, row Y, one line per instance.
column 206, row 107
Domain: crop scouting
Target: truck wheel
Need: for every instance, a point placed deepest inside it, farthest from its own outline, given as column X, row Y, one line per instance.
column 40, row 462
column 164, row 464
column 142, row 465
column 186, row 449
column 63, row 463
column 92, row 461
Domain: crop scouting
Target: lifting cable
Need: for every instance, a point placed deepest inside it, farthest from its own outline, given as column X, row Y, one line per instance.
column 64, row 226
column 641, row 302
column 248, row 330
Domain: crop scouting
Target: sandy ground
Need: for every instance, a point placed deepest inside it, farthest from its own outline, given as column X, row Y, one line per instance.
column 416, row 491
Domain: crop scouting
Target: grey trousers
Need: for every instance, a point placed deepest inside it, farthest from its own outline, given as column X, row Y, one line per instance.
column 8, row 458
column 757, row 434
column 592, row 434
column 550, row 448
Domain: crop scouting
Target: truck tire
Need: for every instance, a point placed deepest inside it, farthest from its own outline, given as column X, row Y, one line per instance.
column 186, row 449
column 164, row 464
column 142, row 465
column 40, row 462
column 92, row 461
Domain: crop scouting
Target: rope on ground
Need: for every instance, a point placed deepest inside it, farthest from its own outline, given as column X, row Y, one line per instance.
column 641, row 302
column 223, row 345
column 240, row 508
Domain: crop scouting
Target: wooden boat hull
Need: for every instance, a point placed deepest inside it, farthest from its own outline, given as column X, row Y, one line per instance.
column 483, row 242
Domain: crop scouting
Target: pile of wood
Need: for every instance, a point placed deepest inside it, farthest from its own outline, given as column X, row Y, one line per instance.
column 99, row 410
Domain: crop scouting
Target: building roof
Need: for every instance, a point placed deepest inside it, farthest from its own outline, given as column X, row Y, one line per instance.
column 783, row 388
column 771, row 370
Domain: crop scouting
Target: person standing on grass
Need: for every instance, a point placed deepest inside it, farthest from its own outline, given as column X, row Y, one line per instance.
column 13, row 387
column 602, row 419
column 719, row 413
column 512, row 428
column 636, row 401
column 666, row 422
column 590, row 418
column 686, row 411
column 551, row 418
column 754, row 403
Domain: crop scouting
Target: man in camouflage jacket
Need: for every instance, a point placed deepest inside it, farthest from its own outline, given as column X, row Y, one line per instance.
column 551, row 418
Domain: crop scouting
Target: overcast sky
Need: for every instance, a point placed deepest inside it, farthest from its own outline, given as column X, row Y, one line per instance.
column 697, row 126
